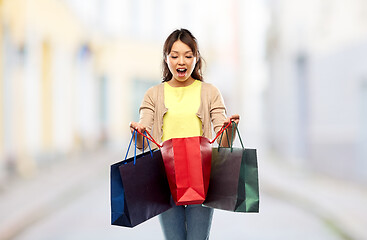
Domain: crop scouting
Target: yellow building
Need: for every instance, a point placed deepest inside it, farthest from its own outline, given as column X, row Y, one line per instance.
column 66, row 87
column 1, row 100
column 33, row 34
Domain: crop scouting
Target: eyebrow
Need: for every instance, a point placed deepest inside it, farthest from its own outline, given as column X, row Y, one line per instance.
column 185, row 52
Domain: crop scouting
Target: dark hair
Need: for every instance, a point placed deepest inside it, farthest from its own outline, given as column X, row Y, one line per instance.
column 186, row 37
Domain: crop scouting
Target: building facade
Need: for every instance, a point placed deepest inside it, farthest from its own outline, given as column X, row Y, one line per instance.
column 316, row 92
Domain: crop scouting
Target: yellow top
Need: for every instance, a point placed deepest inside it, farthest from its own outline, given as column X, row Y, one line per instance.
column 182, row 104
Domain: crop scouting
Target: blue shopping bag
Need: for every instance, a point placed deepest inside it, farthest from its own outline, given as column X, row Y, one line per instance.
column 139, row 188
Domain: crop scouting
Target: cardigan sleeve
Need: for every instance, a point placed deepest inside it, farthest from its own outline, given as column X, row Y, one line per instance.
column 217, row 109
column 147, row 109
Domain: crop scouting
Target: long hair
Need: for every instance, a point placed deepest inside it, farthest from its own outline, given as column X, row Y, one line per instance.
column 186, row 37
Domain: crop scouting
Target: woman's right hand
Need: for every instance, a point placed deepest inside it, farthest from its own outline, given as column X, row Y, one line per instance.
column 141, row 128
column 135, row 125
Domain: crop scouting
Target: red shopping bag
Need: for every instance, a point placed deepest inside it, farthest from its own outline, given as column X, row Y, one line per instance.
column 187, row 162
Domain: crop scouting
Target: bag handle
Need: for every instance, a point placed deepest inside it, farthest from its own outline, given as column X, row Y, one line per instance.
column 150, row 138
column 131, row 139
column 231, row 142
column 223, row 128
column 239, row 135
column 150, row 150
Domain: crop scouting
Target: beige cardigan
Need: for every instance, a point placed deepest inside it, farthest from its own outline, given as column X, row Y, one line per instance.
column 211, row 110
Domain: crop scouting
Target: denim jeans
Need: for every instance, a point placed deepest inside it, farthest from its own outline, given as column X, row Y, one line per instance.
column 190, row 222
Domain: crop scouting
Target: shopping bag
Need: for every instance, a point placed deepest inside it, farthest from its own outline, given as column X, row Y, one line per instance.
column 139, row 188
column 234, row 182
column 187, row 162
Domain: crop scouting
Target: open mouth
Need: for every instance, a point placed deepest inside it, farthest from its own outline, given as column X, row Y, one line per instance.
column 181, row 72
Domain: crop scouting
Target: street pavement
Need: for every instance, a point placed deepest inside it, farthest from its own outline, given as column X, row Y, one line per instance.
column 70, row 200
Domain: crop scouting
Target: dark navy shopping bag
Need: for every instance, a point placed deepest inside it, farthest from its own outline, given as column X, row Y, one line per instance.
column 139, row 188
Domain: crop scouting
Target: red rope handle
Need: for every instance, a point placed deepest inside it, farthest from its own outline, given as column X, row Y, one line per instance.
column 149, row 138
column 220, row 132
column 223, row 128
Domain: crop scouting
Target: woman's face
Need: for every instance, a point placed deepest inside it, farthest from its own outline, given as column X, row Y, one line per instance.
column 181, row 61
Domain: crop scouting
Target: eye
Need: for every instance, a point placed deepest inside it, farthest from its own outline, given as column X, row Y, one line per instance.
column 174, row 57
column 189, row 56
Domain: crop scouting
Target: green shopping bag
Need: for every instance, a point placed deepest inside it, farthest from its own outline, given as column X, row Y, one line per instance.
column 234, row 184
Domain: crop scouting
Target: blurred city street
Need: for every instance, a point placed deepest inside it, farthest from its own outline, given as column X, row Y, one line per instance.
column 73, row 75
column 70, row 200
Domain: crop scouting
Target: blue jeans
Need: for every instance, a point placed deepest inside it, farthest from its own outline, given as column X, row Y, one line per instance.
column 190, row 222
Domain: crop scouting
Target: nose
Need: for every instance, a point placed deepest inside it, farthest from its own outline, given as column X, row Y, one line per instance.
column 181, row 60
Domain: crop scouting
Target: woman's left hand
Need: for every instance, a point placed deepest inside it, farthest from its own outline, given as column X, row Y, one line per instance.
column 235, row 118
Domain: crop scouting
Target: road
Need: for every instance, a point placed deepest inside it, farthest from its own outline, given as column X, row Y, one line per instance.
column 79, row 209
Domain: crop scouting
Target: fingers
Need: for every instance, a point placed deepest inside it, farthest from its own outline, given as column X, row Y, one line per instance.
column 235, row 118
column 137, row 126
column 132, row 126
